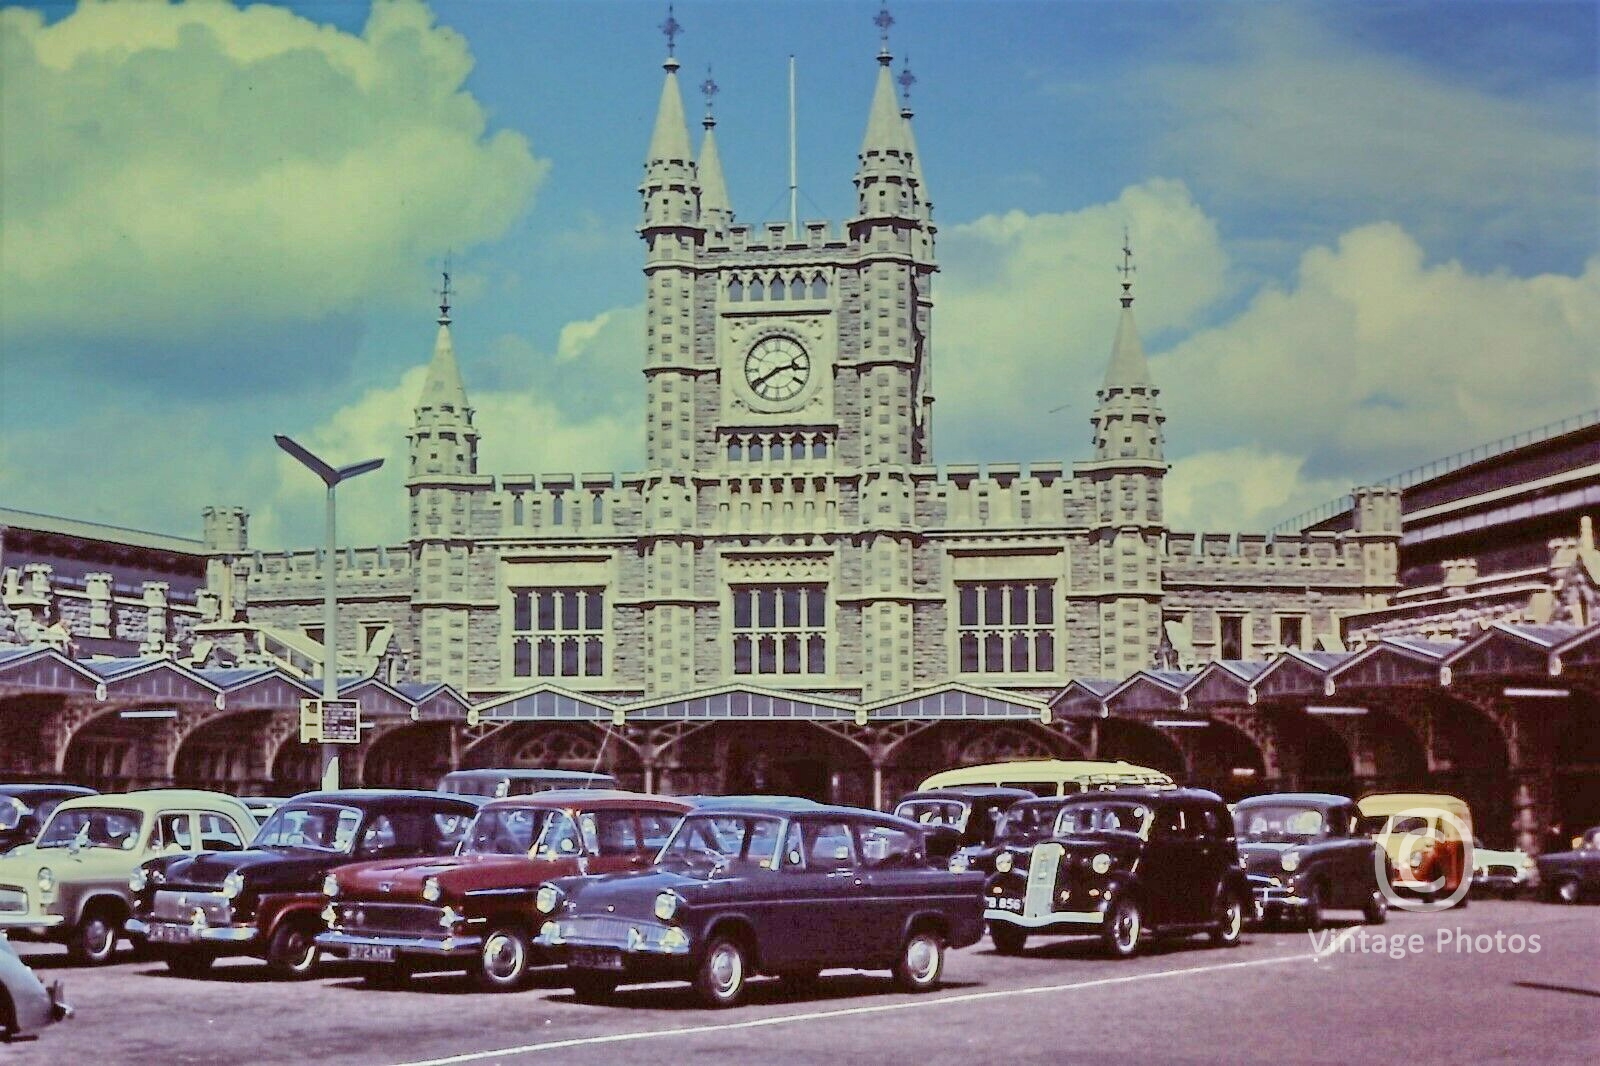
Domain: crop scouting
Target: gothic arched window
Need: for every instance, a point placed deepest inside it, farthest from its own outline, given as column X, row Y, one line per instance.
column 735, row 291
column 757, row 293
column 778, row 289
column 797, row 288
column 819, row 288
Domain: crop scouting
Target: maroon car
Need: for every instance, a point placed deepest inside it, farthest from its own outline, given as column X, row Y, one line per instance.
column 475, row 909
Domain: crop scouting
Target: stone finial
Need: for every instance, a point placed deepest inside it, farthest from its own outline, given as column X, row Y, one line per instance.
column 98, row 588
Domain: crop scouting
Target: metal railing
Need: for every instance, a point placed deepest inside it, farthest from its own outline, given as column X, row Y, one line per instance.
column 1439, row 467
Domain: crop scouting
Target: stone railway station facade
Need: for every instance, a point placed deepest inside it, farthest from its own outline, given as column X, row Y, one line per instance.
column 792, row 596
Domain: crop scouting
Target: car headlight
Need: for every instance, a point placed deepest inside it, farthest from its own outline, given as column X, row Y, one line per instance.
column 1527, row 862
column 1418, row 857
column 1290, row 861
column 431, row 890
column 330, row 886
column 666, row 906
column 47, row 881
column 1101, row 863
column 546, row 898
column 959, row 863
column 137, row 880
column 1003, row 863
column 232, row 885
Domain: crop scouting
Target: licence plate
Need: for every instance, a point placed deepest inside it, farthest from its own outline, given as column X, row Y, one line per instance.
column 595, row 959
column 1007, row 903
column 170, row 934
column 371, row 953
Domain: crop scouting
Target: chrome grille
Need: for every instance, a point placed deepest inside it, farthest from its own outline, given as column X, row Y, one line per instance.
column 388, row 918
column 1496, row 870
column 605, row 929
column 172, row 905
column 13, row 901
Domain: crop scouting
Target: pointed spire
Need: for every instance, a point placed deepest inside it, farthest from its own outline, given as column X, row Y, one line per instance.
column 907, row 80
column 1128, row 368
column 670, row 141
column 714, row 205
column 443, row 386
column 886, row 129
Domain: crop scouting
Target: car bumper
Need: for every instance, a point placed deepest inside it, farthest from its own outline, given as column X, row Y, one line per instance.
column 643, row 939
column 1063, row 919
column 36, row 924
column 154, row 931
column 1272, row 893
column 340, row 945
column 1502, row 882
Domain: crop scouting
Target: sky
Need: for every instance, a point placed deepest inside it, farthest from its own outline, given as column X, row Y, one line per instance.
column 1367, row 234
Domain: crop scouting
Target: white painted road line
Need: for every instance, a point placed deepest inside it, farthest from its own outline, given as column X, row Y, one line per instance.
column 879, row 1008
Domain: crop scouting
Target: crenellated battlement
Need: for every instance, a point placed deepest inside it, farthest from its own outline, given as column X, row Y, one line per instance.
column 774, row 240
column 1238, row 550
column 358, row 570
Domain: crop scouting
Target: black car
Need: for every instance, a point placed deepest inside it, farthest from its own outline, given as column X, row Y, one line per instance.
column 1123, row 865
column 267, row 901
column 1305, row 854
column 781, row 888
column 965, row 816
column 1023, row 824
column 25, row 808
column 1572, row 876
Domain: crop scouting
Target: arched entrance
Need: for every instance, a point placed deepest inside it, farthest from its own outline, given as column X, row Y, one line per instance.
column 113, row 754
column 557, row 746
column 1225, row 760
column 414, row 755
column 223, row 754
column 768, row 758
column 1143, row 745
column 1577, row 763
column 296, row 768
column 1471, row 761
column 946, row 745
column 1316, row 758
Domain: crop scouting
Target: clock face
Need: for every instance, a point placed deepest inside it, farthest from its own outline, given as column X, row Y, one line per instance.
column 777, row 368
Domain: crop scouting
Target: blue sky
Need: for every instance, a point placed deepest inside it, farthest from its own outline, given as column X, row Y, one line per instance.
column 1366, row 233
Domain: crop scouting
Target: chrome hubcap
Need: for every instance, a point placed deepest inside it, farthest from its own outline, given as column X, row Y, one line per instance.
column 1568, row 891
column 503, row 957
column 97, row 937
column 922, row 956
column 1127, row 927
column 1233, row 919
column 727, row 969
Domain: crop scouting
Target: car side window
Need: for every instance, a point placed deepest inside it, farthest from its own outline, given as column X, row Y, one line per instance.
column 830, row 846
column 614, row 832
column 172, row 828
column 1169, row 824
column 379, row 836
column 656, row 828
column 885, row 847
column 219, row 834
column 449, row 828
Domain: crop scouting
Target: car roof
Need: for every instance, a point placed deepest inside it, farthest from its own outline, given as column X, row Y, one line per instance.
column 590, row 797
column 1307, row 799
column 764, row 803
column 154, row 799
column 526, row 773
column 791, row 805
column 385, row 798
column 36, row 787
column 1394, row 802
column 1149, row 795
column 968, row 792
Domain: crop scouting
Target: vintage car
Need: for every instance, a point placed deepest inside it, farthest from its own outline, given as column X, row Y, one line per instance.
column 497, row 784
column 964, row 816
column 1024, row 823
column 267, row 901
column 71, row 885
column 1304, row 854
column 1122, row 866
column 1426, row 836
column 1502, row 873
column 785, row 889
column 25, row 808
column 263, row 806
column 475, row 909
column 26, row 1004
column 1572, row 876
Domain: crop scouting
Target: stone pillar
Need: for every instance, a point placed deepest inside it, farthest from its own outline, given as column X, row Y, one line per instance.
column 98, row 588
column 155, row 628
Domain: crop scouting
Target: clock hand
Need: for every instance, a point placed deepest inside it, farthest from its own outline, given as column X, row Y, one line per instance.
column 774, row 372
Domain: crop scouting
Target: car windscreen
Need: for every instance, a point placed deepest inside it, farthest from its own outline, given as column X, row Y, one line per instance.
column 1026, row 821
column 952, row 813
column 313, row 826
column 1278, row 823
column 93, row 827
column 719, row 839
column 1103, row 816
column 11, row 810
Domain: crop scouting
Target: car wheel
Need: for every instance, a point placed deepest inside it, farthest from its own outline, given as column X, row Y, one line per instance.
column 189, row 963
column 1311, row 913
column 921, row 962
column 292, row 951
column 1123, row 929
column 1008, row 939
column 1376, row 912
column 590, row 987
column 1229, row 922
column 95, row 940
column 503, row 962
column 720, row 980
column 1567, row 890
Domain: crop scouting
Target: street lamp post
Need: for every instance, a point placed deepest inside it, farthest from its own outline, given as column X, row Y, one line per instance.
column 331, row 477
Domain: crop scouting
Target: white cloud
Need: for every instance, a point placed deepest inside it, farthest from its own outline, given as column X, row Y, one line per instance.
column 1027, row 306
column 1245, row 488
column 1374, row 360
column 176, row 171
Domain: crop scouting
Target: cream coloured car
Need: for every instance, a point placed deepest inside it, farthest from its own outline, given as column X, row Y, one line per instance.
column 71, row 885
